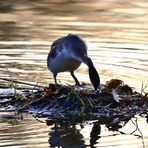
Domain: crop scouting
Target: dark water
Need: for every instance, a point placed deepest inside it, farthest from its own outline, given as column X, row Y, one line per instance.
column 116, row 33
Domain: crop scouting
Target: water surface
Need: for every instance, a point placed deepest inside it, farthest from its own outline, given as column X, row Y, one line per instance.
column 116, row 33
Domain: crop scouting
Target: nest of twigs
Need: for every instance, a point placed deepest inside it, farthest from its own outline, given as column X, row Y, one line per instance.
column 114, row 102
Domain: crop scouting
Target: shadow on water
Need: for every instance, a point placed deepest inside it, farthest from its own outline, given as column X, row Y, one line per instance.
column 71, row 137
column 6, row 7
column 95, row 134
column 66, row 137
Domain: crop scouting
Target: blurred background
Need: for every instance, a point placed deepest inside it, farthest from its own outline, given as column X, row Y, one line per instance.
column 116, row 33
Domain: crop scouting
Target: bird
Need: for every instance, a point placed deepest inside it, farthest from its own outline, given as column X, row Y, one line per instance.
column 66, row 55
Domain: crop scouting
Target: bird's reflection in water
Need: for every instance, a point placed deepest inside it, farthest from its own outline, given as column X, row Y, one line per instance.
column 69, row 136
column 66, row 136
column 95, row 134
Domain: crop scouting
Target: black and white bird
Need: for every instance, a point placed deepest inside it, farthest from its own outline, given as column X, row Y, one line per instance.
column 66, row 54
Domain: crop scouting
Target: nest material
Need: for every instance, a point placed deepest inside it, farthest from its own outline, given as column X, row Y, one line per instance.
column 115, row 102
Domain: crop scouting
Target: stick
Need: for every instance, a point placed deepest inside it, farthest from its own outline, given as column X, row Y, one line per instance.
column 20, row 82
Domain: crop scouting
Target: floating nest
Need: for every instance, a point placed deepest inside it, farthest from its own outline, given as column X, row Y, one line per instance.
column 113, row 103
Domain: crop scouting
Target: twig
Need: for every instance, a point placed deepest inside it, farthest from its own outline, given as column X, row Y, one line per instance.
column 8, row 72
column 20, row 82
column 137, row 128
column 10, row 77
column 35, row 87
column 140, row 132
column 15, row 81
column 39, row 120
column 143, row 88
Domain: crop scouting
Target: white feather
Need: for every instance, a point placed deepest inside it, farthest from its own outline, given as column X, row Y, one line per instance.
column 115, row 96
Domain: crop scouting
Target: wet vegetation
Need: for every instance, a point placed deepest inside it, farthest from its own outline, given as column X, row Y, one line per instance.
column 113, row 104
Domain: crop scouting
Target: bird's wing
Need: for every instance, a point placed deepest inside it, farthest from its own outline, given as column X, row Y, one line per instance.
column 56, row 47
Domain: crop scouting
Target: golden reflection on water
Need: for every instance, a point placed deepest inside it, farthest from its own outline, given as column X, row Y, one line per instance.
column 27, row 134
column 116, row 33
